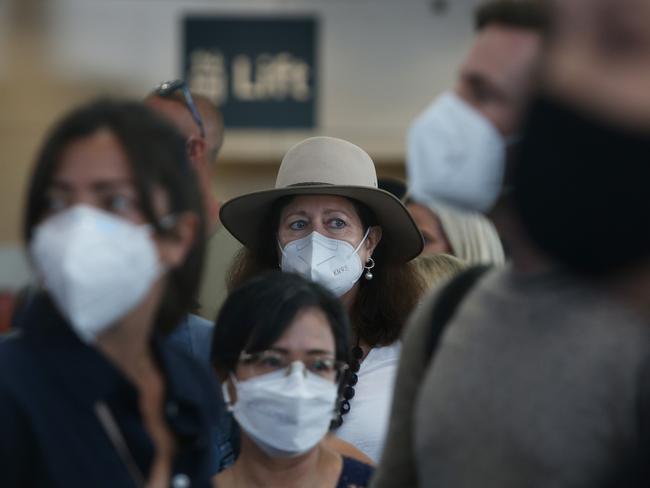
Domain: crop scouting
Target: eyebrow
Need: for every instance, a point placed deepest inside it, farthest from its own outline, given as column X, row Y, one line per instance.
column 325, row 211
column 478, row 80
column 100, row 186
column 310, row 352
column 332, row 210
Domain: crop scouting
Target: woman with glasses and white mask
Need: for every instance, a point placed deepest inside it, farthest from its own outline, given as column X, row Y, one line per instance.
column 327, row 221
column 90, row 393
column 280, row 348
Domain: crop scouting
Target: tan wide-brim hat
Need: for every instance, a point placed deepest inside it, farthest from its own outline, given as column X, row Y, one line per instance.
column 326, row 166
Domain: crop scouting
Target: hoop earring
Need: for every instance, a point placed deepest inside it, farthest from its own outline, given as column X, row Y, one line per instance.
column 369, row 265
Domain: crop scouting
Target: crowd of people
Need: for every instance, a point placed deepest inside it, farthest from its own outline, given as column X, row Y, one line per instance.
column 484, row 324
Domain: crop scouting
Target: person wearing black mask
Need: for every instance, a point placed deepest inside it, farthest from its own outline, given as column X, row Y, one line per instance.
column 537, row 378
column 586, row 143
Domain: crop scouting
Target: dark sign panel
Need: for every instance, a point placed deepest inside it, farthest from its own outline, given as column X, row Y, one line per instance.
column 261, row 71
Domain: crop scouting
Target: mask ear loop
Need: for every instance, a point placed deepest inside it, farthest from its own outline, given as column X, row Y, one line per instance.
column 226, row 394
column 365, row 236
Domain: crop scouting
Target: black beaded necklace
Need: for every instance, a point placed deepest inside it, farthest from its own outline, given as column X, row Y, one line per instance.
column 351, row 380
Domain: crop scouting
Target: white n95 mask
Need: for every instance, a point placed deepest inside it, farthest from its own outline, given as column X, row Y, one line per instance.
column 284, row 414
column 332, row 263
column 96, row 267
column 456, row 155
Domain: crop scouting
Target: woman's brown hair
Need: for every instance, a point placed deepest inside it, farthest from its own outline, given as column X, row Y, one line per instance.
column 382, row 304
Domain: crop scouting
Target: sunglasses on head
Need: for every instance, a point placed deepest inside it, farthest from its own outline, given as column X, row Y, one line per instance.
column 168, row 88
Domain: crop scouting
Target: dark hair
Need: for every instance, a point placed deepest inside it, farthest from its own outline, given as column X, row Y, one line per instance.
column 382, row 304
column 255, row 315
column 393, row 186
column 524, row 14
column 157, row 155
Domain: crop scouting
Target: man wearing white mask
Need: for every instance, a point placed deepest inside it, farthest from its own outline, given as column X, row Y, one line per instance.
column 456, row 147
column 457, row 154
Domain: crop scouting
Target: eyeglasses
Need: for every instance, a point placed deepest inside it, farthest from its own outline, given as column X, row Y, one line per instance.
column 272, row 361
column 167, row 88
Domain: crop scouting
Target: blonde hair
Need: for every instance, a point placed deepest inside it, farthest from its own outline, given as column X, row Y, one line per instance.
column 472, row 237
column 435, row 269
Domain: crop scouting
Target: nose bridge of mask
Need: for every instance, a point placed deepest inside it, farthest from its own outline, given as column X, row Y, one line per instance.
column 328, row 243
column 313, row 249
column 297, row 369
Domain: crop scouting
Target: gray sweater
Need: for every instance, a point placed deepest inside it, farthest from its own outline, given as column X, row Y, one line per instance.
column 536, row 383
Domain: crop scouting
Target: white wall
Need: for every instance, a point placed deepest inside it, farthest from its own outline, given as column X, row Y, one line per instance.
column 381, row 60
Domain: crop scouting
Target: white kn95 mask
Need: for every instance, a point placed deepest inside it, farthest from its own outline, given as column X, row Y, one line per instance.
column 96, row 266
column 332, row 263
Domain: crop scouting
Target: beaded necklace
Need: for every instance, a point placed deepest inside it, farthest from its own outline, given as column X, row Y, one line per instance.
column 351, row 379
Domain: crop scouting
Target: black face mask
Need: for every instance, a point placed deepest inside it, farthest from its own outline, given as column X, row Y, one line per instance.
column 582, row 187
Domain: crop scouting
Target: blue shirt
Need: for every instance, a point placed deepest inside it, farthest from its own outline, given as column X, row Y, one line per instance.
column 354, row 474
column 194, row 335
column 51, row 434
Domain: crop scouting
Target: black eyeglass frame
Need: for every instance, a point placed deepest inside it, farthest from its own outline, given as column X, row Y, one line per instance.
column 167, row 88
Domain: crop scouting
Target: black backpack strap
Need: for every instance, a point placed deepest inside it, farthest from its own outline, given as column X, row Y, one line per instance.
column 447, row 302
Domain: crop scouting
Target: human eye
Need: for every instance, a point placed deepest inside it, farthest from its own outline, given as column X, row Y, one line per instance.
column 299, row 224
column 55, row 203
column 118, row 203
column 264, row 362
column 428, row 239
column 337, row 223
column 270, row 361
column 321, row 366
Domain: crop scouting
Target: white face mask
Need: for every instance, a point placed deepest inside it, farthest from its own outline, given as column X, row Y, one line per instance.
column 284, row 414
column 332, row 263
column 455, row 155
column 96, row 267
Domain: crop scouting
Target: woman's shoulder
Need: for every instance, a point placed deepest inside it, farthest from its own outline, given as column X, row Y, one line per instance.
column 16, row 360
column 380, row 356
column 354, row 474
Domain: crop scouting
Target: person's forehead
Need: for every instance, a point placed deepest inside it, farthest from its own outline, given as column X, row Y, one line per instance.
column 99, row 156
column 319, row 203
column 309, row 329
column 599, row 59
column 500, row 53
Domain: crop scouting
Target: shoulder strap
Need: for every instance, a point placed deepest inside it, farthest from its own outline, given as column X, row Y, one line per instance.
column 447, row 303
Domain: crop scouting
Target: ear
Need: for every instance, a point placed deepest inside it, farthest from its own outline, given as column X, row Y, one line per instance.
column 374, row 236
column 174, row 246
column 196, row 148
column 232, row 391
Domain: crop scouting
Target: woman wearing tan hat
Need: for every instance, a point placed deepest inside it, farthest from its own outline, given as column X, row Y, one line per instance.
column 327, row 220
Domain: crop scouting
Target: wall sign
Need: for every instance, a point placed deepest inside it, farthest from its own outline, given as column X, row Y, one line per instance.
column 261, row 72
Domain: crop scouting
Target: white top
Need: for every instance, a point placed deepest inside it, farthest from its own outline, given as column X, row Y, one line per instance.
column 366, row 424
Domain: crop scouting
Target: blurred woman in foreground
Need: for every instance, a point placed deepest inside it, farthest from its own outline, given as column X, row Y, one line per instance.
column 89, row 393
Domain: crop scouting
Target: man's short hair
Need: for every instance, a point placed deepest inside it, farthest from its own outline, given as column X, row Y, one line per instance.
column 523, row 14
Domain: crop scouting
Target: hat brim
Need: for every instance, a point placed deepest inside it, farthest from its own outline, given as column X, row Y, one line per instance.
column 243, row 216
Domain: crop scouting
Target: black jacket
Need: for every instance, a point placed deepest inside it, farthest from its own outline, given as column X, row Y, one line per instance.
column 50, row 432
